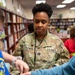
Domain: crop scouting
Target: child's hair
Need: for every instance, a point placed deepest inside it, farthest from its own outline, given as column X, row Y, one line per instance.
column 1, row 15
column 31, row 28
column 72, row 32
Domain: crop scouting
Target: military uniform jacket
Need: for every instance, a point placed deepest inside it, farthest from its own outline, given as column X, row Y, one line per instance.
column 48, row 53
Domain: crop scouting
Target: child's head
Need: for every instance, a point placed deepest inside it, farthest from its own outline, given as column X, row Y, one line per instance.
column 72, row 32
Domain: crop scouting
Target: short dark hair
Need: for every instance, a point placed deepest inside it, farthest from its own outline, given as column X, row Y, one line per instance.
column 31, row 28
column 42, row 7
column 72, row 32
column 1, row 15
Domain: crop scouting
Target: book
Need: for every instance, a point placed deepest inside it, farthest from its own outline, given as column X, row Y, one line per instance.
column 14, row 18
column 8, row 17
column 5, row 46
column 9, row 30
column 11, row 42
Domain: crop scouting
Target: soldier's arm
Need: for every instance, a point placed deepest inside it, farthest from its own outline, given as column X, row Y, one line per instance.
column 62, row 53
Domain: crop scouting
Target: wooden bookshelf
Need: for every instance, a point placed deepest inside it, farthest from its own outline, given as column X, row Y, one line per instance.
column 62, row 23
column 15, row 28
column 59, row 23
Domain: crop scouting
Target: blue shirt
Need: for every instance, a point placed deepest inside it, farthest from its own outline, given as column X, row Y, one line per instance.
column 65, row 69
column 3, row 69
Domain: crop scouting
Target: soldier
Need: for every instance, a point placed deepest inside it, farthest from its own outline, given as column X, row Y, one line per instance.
column 42, row 49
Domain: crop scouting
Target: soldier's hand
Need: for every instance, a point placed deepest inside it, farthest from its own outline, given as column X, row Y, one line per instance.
column 27, row 73
column 21, row 66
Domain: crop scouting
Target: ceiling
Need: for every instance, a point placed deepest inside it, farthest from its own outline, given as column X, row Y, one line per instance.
column 28, row 4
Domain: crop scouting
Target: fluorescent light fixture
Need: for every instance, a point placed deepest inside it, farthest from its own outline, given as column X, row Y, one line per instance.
column 40, row 1
column 61, row 6
column 73, row 8
column 67, row 1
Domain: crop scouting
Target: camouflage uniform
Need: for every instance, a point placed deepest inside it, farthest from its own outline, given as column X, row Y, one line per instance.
column 48, row 53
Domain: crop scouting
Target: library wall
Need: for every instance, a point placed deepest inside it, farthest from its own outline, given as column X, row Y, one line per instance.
column 65, row 13
column 9, row 5
column 28, row 14
column 14, row 5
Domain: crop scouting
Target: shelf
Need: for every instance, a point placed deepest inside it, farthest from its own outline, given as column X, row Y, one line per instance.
column 62, row 23
column 15, row 28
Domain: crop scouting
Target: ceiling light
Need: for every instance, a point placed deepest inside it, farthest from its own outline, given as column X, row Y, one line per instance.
column 40, row 1
column 73, row 8
column 67, row 1
column 61, row 6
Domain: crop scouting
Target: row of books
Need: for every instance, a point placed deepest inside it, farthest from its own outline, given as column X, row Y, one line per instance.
column 62, row 23
column 16, row 19
column 16, row 28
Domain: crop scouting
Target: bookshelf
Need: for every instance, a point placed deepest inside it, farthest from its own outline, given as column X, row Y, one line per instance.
column 15, row 27
column 59, row 23
column 62, row 23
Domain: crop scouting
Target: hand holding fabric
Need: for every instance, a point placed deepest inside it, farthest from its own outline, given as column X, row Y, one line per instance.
column 21, row 66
